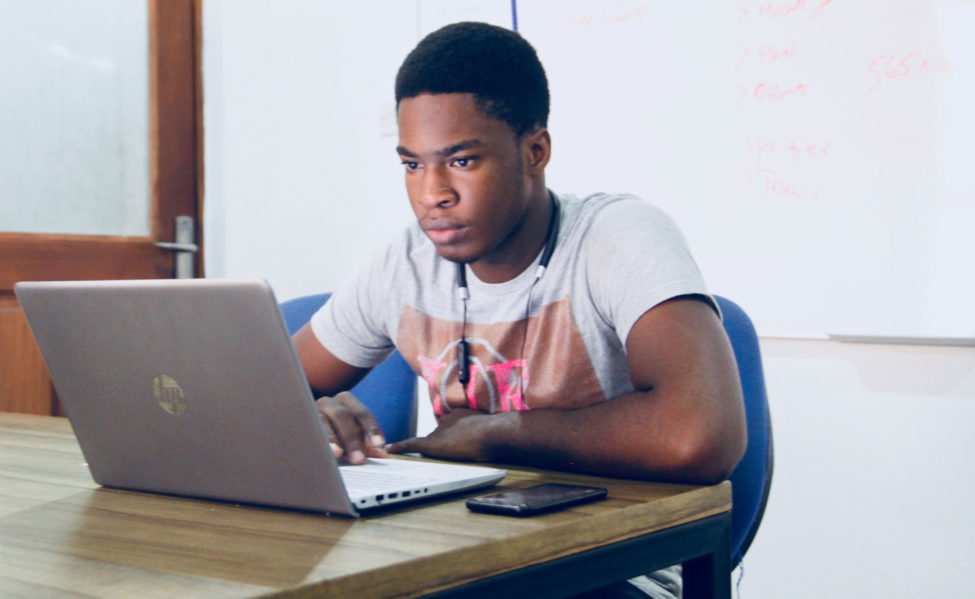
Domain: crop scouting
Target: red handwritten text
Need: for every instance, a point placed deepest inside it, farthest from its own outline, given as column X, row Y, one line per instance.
column 633, row 15
column 782, row 10
column 766, row 54
column 772, row 92
column 913, row 64
column 584, row 20
column 770, row 183
column 788, row 147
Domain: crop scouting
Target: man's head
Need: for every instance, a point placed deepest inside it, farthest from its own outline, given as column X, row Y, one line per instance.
column 472, row 106
column 494, row 64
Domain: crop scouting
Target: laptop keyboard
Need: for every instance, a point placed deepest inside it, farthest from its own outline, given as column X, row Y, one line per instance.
column 368, row 478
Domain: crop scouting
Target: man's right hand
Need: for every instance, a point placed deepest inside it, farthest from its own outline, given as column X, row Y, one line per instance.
column 351, row 428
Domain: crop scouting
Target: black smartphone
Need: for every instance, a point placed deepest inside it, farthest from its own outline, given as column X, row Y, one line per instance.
column 535, row 500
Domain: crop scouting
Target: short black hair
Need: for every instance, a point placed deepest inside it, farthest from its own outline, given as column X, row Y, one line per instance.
column 495, row 64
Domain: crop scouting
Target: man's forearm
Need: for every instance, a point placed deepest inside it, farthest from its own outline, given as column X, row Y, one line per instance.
column 626, row 437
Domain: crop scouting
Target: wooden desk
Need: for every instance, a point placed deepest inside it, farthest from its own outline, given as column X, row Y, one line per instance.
column 61, row 533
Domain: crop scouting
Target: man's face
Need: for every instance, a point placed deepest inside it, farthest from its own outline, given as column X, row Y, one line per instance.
column 465, row 176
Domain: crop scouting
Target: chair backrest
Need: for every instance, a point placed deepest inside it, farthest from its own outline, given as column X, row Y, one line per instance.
column 752, row 477
column 389, row 390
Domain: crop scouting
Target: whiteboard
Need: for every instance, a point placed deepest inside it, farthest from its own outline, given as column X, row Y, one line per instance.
column 818, row 155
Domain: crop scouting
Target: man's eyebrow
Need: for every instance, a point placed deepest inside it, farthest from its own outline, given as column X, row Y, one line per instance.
column 459, row 147
column 443, row 153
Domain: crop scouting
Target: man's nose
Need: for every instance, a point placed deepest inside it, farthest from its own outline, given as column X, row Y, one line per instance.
column 436, row 190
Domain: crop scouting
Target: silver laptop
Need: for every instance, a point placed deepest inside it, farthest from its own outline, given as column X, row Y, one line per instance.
column 192, row 387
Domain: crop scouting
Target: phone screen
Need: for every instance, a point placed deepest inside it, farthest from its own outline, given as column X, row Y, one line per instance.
column 535, row 500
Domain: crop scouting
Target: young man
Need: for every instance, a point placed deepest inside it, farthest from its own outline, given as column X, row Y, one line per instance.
column 609, row 360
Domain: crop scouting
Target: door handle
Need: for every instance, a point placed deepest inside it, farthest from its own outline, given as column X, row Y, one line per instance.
column 183, row 247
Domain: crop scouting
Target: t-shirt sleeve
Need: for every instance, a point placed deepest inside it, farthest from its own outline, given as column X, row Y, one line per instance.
column 351, row 324
column 637, row 258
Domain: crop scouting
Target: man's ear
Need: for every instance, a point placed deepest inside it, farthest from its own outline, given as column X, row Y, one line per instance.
column 538, row 150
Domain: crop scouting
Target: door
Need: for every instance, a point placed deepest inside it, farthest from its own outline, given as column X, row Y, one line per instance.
column 104, row 139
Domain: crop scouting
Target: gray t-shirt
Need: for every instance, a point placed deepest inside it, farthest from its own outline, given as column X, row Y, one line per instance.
column 556, row 342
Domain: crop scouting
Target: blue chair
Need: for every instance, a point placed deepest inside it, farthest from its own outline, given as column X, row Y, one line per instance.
column 389, row 390
column 752, row 478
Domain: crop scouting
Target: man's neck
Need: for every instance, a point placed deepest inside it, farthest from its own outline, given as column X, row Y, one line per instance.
column 522, row 247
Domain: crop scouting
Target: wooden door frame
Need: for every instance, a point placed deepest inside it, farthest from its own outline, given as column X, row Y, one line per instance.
column 176, row 188
column 175, row 157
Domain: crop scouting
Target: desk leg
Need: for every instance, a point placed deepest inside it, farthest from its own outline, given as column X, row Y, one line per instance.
column 705, row 576
column 709, row 576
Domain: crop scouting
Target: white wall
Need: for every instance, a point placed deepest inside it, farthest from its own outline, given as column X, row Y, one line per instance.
column 872, row 442
column 290, row 194
column 873, row 483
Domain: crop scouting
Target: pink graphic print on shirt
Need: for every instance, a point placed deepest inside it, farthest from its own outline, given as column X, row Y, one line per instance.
column 555, row 370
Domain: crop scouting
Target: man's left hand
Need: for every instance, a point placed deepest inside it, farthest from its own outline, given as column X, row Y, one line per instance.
column 460, row 435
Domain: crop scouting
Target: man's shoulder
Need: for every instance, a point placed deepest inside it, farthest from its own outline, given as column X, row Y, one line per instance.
column 408, row 244
column 410, row 255
column 606, row 204
column 611, row 213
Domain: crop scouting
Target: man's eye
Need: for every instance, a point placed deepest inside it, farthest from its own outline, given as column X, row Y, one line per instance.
column 464, row 162
column 412, row 166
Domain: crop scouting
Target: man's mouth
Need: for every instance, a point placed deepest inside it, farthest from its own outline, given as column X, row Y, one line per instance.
column 442, row 231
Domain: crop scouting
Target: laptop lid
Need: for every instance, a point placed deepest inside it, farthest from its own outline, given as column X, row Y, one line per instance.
column 192, row 387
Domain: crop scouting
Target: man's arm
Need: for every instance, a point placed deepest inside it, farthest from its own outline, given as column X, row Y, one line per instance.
column 685, row 421
column 351, row 427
